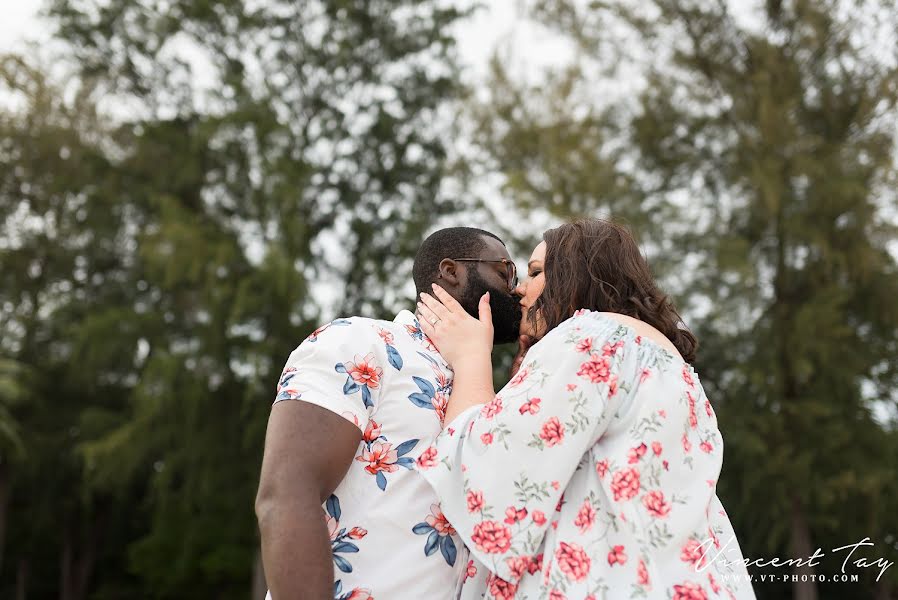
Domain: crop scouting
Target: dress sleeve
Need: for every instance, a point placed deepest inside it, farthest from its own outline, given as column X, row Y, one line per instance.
column 339, row 367
column 500, row 470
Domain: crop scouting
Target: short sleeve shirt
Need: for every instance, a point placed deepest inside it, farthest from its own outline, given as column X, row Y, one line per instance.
column 389, row 537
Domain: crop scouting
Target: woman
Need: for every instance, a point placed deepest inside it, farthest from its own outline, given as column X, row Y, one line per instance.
column 592, row 473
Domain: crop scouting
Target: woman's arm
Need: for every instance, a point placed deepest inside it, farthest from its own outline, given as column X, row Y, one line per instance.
column 467, row 345
column 500, row 472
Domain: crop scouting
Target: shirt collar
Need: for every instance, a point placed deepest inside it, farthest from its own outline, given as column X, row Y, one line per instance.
column 407, row 317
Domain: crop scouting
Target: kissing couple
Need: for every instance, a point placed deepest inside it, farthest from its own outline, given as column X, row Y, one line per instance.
column 393, row 469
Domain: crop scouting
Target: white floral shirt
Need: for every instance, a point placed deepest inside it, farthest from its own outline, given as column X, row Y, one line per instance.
column 590, row 475
column 389, row 538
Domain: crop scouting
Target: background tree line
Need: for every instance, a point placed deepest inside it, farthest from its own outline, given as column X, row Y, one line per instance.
column 167, row 240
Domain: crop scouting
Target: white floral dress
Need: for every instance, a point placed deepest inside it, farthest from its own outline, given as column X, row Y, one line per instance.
column 592, row 474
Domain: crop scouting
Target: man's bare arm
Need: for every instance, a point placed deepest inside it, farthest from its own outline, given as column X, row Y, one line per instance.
column 308, row 450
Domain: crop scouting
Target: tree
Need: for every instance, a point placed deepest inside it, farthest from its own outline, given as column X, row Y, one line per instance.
column 776, row 131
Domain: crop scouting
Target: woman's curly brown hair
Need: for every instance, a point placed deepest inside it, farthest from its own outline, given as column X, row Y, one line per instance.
column 596, row 264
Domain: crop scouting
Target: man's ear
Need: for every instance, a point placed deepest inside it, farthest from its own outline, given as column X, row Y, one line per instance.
column 449, row 273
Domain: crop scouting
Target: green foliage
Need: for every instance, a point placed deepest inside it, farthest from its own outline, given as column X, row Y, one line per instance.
column 160, row 232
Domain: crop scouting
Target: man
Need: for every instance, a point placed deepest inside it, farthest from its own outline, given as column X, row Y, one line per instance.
column 367, row 396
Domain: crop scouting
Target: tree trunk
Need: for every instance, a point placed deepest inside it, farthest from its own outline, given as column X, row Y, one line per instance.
column 4, row 505
column 21, row 579
column 65, row 567
column 801, row 547
column 260, row 587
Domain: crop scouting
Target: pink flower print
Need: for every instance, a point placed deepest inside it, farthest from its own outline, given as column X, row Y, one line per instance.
column 552, row 432
column 708, row 410
column 693, row 419
column 536, row 564
column 612, row 386
column 364, row 372
column 687, row 376
column 713, row 583
column 617, row 556
column 636, row 453
column 491, row 537
column 332, row 526
column 656, row 448
column 440, row 401
column 531, row 406
column 471, row 571
column 585, row 517
column 491, row 408
column 501, row 589
column 518, row 566
column 360, row 594
column 428, row 458
column 573, row 561
column 625, row 484
column 596, row 369
column 638, row 339
column 539, row 517
column 385, row 335
column 571, row 387
column 706, row 447
column 611, row 349
column 655, row 503
column 642, row 574
column 687, row 445
column 357, row 533
column 665, row 465
column 520, row 377
column 475, row 501
column 556, row 595
column 693, row 553
column 602, row 468
column 372, row 431
column 438, row 521
column 644, row 375
column 560, row 503
column 486, row 438
column 584, row 346
column 513, row 515
column 689, row 591
column 662, row 413
column 555, row 485
column 580, row 312
column 380, row 457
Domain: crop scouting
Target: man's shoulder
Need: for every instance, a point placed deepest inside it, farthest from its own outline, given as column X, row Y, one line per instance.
column 355, row 328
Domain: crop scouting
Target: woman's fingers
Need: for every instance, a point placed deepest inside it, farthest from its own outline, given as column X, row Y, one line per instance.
column 448, row 301
column 435, row 306
column 427, row 315
column 484, row 309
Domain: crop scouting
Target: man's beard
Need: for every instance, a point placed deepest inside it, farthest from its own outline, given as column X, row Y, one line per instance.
column 506, row 308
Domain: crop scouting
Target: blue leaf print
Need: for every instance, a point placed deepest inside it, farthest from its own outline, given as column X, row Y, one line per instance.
column 366, row 397
column 421, row 400
column 404, row 447
column 342, row 564
column 333, row 507
column 381, row 480
column 432, row 542
column 447, row 548
column 345, row 547
column 339, row 368
column 338, row 587
column 425, row 386
column 350, row 387
column 341, row 322
column 406, row 461
column 429, row 358
column 394, row 357
column 422, row 528
column 287, row 378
